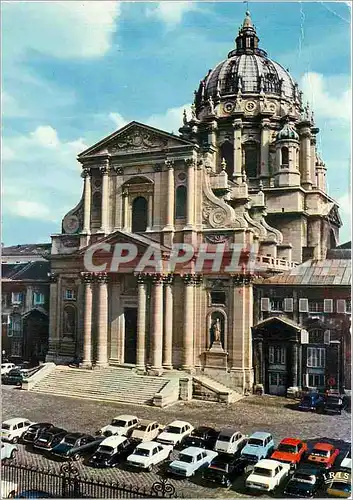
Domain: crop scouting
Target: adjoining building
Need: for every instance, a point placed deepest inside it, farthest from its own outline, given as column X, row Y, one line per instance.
column 244, row 171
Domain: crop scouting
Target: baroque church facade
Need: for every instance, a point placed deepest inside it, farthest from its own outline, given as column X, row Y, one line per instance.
column 244, row 170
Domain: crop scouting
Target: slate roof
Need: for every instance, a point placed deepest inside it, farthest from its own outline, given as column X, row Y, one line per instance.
column 28, row 271
column 27, row 249
column 328, row 272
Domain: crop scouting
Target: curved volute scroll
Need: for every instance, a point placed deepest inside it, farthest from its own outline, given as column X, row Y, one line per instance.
column 72, row 223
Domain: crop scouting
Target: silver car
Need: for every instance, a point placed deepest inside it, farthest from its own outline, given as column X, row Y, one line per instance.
column 8, row 451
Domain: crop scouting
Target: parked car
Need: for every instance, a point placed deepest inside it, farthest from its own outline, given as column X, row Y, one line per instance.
column 8, row 489
column 332, row 403
column 34, row 430
column 14, row 377
column 146, row 430
column 119, row 426
column 75, row 445
column 190, row 460
column 112, row 451
column 148, row 454
column 47, row 440
column 8, row 451
column 13, row 429
column 323, row 454
column 202, row 437
column 34, row 494
column 6, row 367
column 230, row 441
column 346, row 462
column 175, row 433
column 260, row 445
column 306, row 482
column 224, row 469
column 311, row 402
column 290, row 451
column 341, row 485
column 267, row 475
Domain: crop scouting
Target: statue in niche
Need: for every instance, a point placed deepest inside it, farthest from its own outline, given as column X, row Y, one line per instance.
column 217, row 330
column 69, row 321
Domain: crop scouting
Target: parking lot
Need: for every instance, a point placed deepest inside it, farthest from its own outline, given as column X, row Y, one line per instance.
column 272, row 414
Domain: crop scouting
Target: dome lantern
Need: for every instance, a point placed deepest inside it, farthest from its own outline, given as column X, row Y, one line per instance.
column 247, row 40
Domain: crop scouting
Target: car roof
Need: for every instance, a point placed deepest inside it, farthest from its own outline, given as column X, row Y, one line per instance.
column 323, row 446
column 192, row 451
column 14, row 421
column 179, row 423
column 290, row 441
column 308, row 469
column 76, row 434
column 268, row 463
column 113, row 441
column 260, row 435
column 228, row 432
column 147, row 422
column 56, row 429
column 148, row 445
column 204, row 428
column 125, row 417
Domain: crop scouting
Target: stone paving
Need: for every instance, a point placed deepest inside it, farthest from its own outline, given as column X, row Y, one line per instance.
column 272, row 414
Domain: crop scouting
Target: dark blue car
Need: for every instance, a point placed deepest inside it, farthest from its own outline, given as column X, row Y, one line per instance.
column 311, row 402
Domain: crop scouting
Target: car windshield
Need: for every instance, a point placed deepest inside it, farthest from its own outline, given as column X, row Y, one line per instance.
column 141, row 428
column 106, row 449
column 173, row 430
column 304, row 478
column 224, row 438
column 6, row 426
column 185, row 458
column 118, row 423
column 46, row 436
column 255, row 442
column 142, row 452
column 287, row 448
column 260, row 471
column 320, row 453
column 14, row 372
column 198, row 434
column 70, row 440
column 339, row 485
column 219, row 464
column 333, row 400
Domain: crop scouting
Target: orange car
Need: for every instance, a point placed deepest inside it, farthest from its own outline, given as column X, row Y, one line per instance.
column 323, row 454
column 290, row 450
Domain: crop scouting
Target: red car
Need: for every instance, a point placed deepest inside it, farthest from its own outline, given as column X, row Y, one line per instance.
column 290, row 451
column 323, row 454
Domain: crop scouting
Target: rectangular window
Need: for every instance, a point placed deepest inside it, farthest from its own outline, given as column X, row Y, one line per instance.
column 316, row 337
column 288, row 304
column 328, row 305
column 218, row 297
column 303, row 305
column 316, row 306
column 276, row 304
column 316, row 380
column 348, row 306
column 17, row 297
column 316, row 357
column 265, row 304
column 277, row 355
column 38, row 298
column 70, row 294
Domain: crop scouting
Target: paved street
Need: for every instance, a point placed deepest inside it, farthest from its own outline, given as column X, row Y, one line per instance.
column 272, row 414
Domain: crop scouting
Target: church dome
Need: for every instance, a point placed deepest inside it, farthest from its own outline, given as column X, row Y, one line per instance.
column 248, row 70
column 288, row 132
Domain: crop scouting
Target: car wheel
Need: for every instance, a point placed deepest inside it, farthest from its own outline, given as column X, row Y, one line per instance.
column 149, row 468
column 15, row 440
column 76, row 457
column 12, row 494
column 228, row 483
column 18, row 384
column 13, row 454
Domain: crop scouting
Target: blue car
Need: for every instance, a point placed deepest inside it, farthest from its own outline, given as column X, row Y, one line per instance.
column 311, row 402
column 260, row 445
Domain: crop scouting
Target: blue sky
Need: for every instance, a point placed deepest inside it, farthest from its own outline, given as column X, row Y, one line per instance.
column 73, row 72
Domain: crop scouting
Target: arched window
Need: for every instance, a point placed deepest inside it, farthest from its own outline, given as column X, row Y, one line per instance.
column 139, row 215
column 227, row 152
column 251, row 159
column 285, row 156
column 180, row 202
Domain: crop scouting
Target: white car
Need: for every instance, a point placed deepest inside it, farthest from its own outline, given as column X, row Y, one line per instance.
column 347, row 461
column 230, row 441
column 6, row 367
column 8, row 451
column 120, row 426
column 267, row 475
column 148, row 454
column 175, row 432
column 12, row 429
column 146, row 431
column 8, row 489
column 190, row 460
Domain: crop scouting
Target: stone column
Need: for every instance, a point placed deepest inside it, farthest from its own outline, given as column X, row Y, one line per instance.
column 105, row 197
column 188, row 334
column 237, row 128
column 294, row 355
column 305, row 157
column 141, row 323
column 87, row 278
column 53, row 320
column 126, row 210
column 170, row 193
column 265, row 143
column 86, row 174
column 190, row 165
column 157, row 325
column 168, row 324
column 102, row 341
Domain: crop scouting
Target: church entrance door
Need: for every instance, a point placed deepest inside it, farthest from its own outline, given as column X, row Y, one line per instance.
column 130, row 314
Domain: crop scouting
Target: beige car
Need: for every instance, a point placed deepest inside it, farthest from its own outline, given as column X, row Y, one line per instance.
column 147, row 430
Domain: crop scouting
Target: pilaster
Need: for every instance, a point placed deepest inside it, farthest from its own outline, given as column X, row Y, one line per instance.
column 86, row 174
column 102, row 344
column 157, row 325
column 168, row 322
column 105, row 197
column 87, row 279
column 141, row 322
column 237, row 132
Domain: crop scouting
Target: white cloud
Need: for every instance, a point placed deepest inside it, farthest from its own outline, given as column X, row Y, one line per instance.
column 32, row 210
column 320, row 92
column 118, row 120
column 171, row 12
column 60, row 29
column 46, row 136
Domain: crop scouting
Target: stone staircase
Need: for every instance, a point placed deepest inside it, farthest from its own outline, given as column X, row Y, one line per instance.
column 103, row 384
column 206, row 388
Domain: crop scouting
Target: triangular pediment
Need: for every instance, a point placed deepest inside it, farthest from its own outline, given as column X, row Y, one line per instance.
column 122, row 237
column 135, row 137
column 276, row 320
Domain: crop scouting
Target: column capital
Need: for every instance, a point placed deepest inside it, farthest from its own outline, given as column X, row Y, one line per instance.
column 192, row 279
column 86, row 172
column 104, row 167
column 157, row 167
column 142, row 279
column 265, row 123
column 243, row 279
column 169, row 164
column 237, row 124
column 118, row 170
column 190, row 162
column 53, row 277
column 168, row 279
column 87, row 277
column 102, row 278
column 157, row 279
